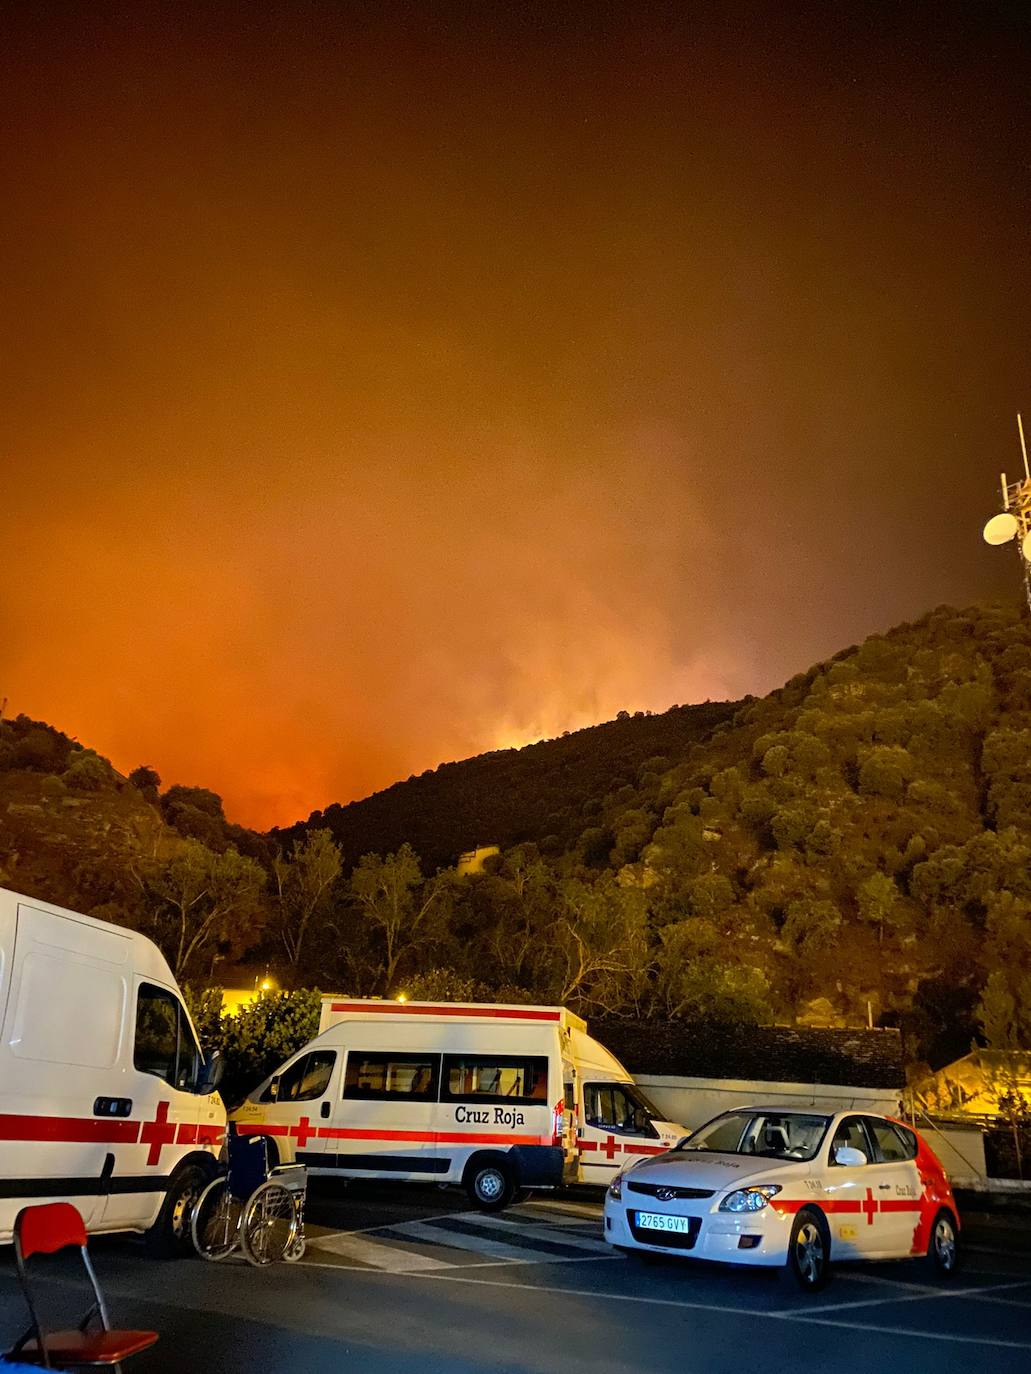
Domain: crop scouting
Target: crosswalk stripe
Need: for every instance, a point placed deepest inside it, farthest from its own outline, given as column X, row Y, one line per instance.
column 462, row 1240
column 582, row 1210
column 379, row 1254
column 535, row 1231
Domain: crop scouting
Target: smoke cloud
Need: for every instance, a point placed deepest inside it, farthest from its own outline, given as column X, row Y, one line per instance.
column 373, row 396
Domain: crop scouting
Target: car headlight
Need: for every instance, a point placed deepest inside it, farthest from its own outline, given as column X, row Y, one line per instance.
column 752, row 1199
column 616, row 1188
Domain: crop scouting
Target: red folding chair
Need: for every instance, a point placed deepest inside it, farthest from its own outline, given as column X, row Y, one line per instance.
column 43, row 1230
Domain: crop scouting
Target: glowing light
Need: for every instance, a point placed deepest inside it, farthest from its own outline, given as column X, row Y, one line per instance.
column 402, row 997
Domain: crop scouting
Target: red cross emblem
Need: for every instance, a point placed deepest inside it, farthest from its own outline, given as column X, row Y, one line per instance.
column 157, row 1133
column 869, row 1206
column 303, row 1132
column 610, row 1147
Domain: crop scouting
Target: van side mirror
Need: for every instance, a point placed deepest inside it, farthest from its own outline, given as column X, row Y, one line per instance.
column 211, row 1073
column 850, row 1158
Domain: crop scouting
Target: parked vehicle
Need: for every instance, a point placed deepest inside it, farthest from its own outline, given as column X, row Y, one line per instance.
column 496, row 1098
column 106, row 1100
column 765, row 1186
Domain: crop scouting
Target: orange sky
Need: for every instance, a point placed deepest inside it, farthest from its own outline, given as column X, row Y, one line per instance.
column 377, row 390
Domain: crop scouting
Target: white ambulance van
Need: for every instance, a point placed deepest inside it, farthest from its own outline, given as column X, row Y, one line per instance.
column 495, row 1098
column 105, row 1098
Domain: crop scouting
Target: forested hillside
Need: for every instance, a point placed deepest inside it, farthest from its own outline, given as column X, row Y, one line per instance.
column 542, row 792
column 857, row 843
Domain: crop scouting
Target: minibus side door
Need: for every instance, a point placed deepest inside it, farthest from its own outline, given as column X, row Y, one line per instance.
column 298, row 1107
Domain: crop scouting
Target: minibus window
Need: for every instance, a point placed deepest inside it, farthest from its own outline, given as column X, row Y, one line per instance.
column 375, row 1076
column 515, row 1079
column 304, row 1080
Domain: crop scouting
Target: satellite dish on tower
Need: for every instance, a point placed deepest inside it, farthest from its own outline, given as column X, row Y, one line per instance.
column 1000, row 529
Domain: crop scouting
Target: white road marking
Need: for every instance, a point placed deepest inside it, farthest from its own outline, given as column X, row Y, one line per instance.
column 367, row 1230
column 724, row 1308
column 552, row 1234
column 487, row 1264
column 926, row 1295
column 394, row 1259
column 460, row 1240
column 606, row 1297
column 591, row 1210
column 886, row 1330
column 853, row 1276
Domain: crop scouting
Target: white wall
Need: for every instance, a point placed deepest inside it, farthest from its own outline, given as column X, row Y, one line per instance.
column 960, row 1149
column 693, row 1101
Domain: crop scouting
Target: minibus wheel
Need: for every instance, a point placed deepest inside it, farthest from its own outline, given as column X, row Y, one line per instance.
column 490, row 1184
column 170, row 1237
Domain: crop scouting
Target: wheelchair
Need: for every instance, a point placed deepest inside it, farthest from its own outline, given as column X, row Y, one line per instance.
column 250, row 1206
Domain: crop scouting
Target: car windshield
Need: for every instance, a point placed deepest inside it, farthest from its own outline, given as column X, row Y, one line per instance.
column 772, row 1135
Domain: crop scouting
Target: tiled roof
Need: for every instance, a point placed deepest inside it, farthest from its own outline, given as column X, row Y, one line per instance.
column 770, row 1054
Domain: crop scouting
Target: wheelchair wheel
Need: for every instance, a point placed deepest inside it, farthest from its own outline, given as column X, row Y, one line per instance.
column 215, row 1221
column 269, row 1226
column 296, row 1251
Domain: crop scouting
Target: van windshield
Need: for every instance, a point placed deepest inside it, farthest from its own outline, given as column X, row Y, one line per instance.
column 619, row 1107
column 772, row 1135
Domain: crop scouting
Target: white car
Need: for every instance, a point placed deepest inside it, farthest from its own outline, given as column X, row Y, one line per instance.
column 766, row 1186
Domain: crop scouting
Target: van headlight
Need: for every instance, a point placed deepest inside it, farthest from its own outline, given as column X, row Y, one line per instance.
column 752, row 1199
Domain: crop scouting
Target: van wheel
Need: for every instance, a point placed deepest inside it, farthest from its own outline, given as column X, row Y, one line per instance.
column 490, row 1185
column 170, row 1237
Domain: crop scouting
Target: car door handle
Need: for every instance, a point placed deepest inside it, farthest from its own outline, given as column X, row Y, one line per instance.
column 884, row 1185
column 112, row 1106
column 324, row 1109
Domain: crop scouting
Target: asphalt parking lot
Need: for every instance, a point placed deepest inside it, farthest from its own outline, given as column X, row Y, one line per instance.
column 404, row 1280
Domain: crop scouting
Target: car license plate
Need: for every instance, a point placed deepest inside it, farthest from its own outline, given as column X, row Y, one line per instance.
column 655, row 1221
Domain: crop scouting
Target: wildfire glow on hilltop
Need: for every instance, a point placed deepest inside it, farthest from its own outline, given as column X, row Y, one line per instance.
column 379, row 390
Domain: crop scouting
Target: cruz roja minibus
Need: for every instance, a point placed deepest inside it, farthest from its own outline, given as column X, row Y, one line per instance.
column 495, row 1098
column 105, row 1098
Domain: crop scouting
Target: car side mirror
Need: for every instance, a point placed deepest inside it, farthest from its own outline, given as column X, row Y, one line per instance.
column 211, row 1073
column 849, row 1157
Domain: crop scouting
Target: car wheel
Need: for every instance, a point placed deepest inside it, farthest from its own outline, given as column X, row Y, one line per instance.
column 943, row 1246
column 809, row 1251
column 490, row 1186
column 170, row 1236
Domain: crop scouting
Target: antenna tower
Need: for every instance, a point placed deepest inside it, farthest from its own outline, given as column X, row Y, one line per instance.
column 1014, row 520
